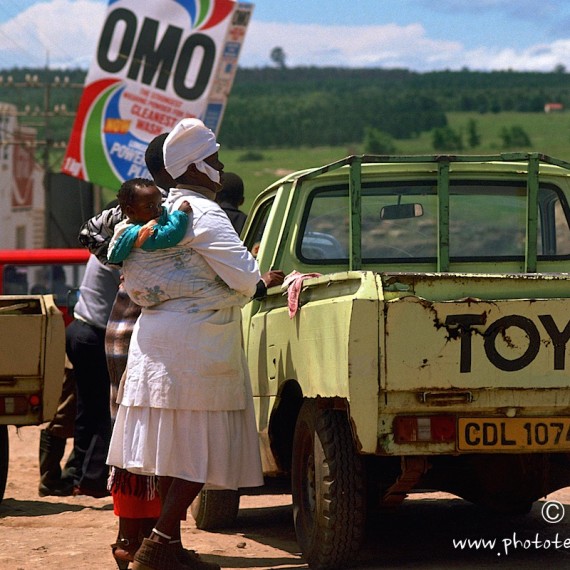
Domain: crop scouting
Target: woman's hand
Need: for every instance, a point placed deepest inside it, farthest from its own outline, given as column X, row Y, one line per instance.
column 273, row 278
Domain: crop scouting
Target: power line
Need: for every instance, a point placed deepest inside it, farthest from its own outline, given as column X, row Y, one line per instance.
column 15, row 43
column 11, row 16
column 20, row 27
column 46, row 113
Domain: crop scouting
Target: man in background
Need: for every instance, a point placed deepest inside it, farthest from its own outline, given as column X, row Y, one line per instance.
column 230, row 198
column 85, row 348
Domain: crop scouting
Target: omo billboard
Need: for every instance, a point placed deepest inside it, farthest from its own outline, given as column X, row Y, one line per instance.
column 156, row 63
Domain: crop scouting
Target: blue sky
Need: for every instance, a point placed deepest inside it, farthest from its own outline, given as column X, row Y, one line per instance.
column 421, row 35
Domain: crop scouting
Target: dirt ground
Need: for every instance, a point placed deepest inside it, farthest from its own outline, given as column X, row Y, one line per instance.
column 68, row 533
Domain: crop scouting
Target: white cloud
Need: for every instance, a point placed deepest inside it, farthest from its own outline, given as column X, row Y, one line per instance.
column 66, row 32
column 351, row 46
column 62, row 32
column 389, row 46
column 540, row 57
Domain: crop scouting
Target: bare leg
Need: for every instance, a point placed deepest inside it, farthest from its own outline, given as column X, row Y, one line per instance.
column 176, row 495
column 163, row 488
column 158, row 552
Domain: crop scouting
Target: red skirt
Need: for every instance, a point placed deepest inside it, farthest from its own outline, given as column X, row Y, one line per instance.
column 134, row 496
column 129, row 507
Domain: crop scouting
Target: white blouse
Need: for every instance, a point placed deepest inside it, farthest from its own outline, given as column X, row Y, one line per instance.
column 186, row 350
column 209, row 269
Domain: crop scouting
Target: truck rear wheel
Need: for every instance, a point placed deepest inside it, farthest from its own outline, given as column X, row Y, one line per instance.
column 4, row 457
column 328, row 488
column 215, row 509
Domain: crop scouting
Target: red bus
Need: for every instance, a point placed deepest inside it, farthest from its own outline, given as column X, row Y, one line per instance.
column 42, row 271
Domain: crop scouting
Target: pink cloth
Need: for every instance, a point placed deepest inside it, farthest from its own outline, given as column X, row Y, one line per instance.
column 294, row 283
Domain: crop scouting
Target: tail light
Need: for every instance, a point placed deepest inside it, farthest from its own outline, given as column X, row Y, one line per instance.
column 35, row 402
column 409, row 429
column 19, row 405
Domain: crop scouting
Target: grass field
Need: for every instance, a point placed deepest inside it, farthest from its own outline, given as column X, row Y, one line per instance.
column 258, row 174
column 549, row 134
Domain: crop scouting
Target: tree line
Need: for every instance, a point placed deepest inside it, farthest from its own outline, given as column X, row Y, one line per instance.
column 306, row 106
column 329, row 106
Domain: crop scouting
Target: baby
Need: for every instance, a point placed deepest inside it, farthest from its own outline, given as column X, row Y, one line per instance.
column 147, row 224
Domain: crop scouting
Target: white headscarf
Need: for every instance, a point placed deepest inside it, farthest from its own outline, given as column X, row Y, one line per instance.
column 190, row 142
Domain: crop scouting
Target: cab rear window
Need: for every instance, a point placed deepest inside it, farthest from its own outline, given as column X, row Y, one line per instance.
column 487, row 221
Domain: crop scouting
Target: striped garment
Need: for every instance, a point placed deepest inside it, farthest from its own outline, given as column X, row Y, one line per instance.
column 96, row 233
column 117, row 338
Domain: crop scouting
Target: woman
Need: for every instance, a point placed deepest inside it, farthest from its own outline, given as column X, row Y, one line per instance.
column 135, row 497
column 186, row 414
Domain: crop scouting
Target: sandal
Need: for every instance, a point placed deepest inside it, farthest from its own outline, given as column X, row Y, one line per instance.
column 124, row 551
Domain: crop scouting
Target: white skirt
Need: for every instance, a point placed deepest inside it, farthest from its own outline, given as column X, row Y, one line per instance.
column 217, row 448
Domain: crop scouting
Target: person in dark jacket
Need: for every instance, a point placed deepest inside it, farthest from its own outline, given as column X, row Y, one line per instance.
column 85, row 348
column 230, row 198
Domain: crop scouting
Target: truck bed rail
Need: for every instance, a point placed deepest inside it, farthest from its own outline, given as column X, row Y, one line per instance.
column 355, row 162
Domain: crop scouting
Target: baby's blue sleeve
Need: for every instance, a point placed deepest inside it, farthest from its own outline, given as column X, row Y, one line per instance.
column 123, row 245
column 168, row 234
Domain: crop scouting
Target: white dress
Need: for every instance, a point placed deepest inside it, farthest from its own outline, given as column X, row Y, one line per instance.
column 186, row 410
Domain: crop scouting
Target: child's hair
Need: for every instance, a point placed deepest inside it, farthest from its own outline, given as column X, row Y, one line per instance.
column 128, row 189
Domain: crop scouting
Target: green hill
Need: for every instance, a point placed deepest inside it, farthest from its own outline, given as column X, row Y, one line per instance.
column 279, row 120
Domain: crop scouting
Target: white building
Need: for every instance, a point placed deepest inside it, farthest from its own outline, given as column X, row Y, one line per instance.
column 22, row 195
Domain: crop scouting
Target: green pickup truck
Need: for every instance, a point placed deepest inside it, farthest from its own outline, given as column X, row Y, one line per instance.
column 431, row 351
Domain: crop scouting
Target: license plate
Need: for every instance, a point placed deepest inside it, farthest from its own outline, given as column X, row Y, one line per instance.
column 509, row 434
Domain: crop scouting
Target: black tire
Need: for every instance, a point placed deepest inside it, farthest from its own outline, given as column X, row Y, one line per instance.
column 4, row 458
column 214, row 510
column 328, row 488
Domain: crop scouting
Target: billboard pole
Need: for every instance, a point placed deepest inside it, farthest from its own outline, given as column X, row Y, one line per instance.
column 46, row 156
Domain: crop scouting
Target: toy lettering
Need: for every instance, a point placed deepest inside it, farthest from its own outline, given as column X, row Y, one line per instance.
column 461, row 325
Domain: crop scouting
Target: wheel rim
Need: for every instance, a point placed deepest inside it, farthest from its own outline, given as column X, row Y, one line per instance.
column 310, row 487
column 307, row 488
